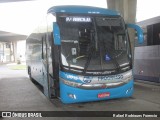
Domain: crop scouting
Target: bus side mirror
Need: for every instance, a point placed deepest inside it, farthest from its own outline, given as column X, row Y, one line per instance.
column 56, row 34
column 139, row 32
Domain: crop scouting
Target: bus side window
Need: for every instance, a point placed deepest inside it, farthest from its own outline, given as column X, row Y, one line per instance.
column 43, row 48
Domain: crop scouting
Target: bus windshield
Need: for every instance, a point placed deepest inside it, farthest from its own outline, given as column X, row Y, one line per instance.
column 94, row 44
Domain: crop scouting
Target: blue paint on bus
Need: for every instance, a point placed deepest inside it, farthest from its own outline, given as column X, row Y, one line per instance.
column 82, row 95
column 83, row 10
column 81, row 54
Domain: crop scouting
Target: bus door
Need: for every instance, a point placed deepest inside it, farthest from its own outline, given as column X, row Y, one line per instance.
column 56, row 59
column 53, row 67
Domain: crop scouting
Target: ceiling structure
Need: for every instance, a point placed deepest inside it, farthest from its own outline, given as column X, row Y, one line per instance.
column 8, row 36
column 5, row 1
column 149, row 21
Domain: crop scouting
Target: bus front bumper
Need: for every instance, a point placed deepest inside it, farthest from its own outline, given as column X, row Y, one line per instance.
column 70, row 94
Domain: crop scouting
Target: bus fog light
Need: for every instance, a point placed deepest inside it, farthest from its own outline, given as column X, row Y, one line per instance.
column 129, row 90
column 73, row 96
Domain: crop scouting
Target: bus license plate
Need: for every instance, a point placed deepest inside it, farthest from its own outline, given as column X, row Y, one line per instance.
column 103, row 95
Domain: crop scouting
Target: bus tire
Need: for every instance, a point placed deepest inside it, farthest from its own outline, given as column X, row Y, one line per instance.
column 30, row 75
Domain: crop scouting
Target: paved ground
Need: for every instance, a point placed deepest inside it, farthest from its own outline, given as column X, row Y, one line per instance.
column 18, row 93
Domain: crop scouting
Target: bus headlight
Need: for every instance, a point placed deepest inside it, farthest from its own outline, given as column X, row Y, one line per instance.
column 129, row 76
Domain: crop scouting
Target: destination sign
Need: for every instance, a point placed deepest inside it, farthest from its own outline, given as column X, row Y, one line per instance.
column 78, row 19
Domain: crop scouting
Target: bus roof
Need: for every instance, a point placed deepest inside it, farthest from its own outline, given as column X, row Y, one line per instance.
column 82, row 9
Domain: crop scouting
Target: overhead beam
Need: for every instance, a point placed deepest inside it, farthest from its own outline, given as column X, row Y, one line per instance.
column 8, row 37
column 127, row 9
column 5, row 1
column 12, row 38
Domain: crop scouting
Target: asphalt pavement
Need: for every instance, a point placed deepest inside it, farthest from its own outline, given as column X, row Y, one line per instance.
column 18, row 93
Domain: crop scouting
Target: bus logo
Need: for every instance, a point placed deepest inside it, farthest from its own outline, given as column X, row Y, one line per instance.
column 6, row 114
column 72, row 77
column 87, row 79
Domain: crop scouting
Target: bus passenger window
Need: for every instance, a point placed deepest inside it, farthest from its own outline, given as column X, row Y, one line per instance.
column 43, row 48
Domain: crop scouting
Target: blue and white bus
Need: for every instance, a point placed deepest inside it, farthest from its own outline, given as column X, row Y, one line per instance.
column 81, row 54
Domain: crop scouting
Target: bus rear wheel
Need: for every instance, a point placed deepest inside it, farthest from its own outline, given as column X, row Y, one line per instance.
column 30, row 75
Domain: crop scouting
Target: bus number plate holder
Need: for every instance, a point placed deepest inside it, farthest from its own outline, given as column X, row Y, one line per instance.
column 103, row 95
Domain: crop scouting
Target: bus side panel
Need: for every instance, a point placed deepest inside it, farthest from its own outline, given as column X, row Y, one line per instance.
column 81, row 95
column 146, row 63
column 33, row 55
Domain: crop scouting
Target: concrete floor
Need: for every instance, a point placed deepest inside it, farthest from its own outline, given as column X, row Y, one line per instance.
column 18, row 93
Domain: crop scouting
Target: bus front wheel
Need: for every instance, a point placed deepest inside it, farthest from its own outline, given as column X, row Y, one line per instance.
column 30, row 75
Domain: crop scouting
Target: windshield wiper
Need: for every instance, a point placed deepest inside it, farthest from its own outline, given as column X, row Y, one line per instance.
column 90, row 53
column 94, row 44
column 116, row 63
